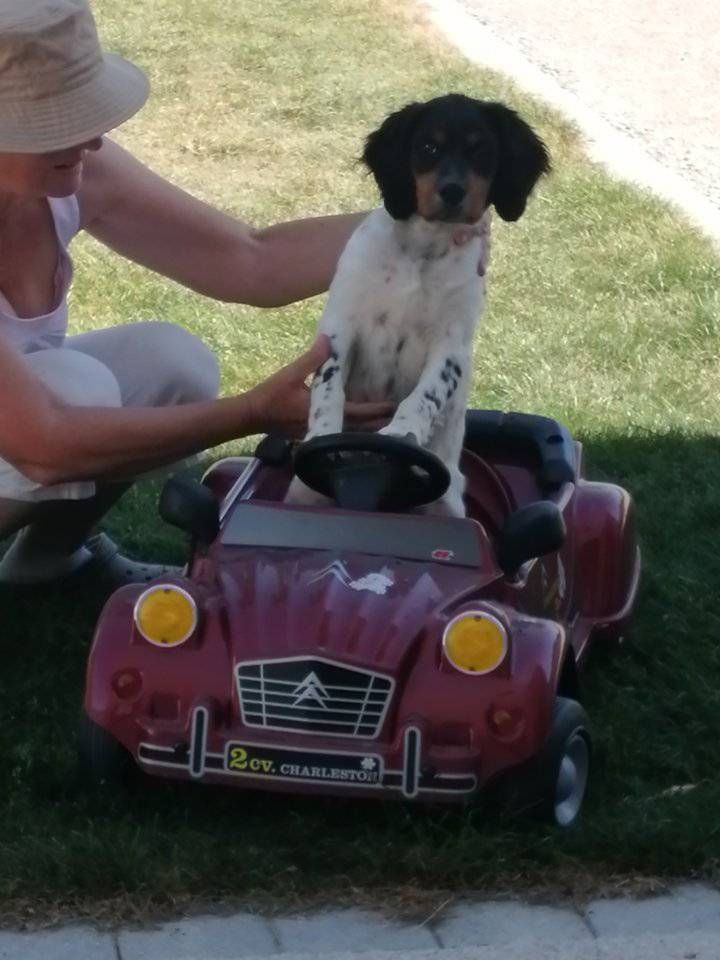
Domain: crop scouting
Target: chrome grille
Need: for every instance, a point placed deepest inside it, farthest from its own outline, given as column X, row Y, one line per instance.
column 313, row 696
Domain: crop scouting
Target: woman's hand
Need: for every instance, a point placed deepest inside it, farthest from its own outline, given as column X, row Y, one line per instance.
column 281, row 404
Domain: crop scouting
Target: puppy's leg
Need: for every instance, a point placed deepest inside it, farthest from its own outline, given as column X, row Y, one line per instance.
column 327, row 397
column 451, row 504
column 435, row 395
column 447, row 444
column 327, row 392
column 434, row 415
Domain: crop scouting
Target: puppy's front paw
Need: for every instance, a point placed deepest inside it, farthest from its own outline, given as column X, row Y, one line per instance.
column 400, row 431
column 300, row 495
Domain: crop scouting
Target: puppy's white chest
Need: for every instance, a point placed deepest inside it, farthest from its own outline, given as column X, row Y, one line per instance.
column 392, row 335
column 385, row 363
column 412, row 309
column 403, row 290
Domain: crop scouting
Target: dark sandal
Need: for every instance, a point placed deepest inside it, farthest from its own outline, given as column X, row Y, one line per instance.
column 109, row 567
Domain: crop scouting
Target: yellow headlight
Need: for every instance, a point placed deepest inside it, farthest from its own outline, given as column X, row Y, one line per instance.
column 166, row 615
column 475, row 642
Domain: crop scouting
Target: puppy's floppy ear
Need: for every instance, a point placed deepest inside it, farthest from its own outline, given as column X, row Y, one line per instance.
column 387, row 155
column 523, row 160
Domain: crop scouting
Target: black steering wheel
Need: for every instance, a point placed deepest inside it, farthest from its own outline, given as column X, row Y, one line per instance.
column 371, row 471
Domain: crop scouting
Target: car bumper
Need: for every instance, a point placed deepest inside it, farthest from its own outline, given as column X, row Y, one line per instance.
column 408, row 766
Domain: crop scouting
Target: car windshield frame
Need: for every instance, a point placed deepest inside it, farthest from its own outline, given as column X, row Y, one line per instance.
column 451, row 541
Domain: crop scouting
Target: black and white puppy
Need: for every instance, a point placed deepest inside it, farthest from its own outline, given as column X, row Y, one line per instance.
column 404, row 303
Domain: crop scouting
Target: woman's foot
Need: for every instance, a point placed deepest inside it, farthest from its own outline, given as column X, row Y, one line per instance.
column 106, row 563
column 98, row 562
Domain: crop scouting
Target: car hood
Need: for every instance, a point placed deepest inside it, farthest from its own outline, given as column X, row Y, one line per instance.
column 358, row 608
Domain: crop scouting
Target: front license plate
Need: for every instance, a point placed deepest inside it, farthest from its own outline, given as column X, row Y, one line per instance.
column 254, row 760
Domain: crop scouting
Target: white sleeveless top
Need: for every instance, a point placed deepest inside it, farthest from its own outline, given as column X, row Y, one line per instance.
column 38, row 333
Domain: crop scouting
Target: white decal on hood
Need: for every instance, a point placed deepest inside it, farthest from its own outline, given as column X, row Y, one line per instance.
column 372, row 582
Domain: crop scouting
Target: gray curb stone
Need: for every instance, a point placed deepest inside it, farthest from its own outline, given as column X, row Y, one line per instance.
column 497, row 924
column 200, row 938
column 66, row 943
column 526, row 949
column 355, row 930
column 692, row 907
column 683, row 924
column 673, row 946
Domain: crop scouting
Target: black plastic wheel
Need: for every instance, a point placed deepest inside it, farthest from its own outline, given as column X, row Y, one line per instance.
column 552, row 788
column 101, row 759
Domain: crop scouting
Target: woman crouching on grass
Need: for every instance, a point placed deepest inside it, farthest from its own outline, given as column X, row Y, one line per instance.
column 81, row 415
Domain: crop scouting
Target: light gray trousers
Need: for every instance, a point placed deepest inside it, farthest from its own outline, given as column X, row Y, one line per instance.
column 137, row 365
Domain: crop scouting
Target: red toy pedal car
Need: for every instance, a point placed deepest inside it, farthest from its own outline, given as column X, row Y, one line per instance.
column 366, row 648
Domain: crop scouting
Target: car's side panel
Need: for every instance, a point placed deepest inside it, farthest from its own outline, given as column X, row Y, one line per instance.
column 137, row 690
column 503, row 716
column 607, row 559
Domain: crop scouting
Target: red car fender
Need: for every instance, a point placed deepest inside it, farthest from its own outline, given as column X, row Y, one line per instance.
column 607, row 559
column 123, row 678
column 106, row 659
column 503, row 716
column 538, row 651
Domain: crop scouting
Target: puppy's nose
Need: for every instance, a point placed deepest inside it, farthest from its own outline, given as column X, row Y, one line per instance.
column 452, row 194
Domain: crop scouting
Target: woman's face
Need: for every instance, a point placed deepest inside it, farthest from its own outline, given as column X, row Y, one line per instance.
column 56, row 174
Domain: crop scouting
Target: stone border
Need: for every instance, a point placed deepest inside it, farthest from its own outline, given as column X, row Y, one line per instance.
column 682, row 924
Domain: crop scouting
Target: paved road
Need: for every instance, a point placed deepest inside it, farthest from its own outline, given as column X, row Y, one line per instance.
column 639, row 78
column 651, row 68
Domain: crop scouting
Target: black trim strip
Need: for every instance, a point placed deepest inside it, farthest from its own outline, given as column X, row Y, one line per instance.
column 411, row 766
column 198, row 746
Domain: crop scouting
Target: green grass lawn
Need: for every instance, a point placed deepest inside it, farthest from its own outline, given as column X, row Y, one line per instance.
column 604, row 310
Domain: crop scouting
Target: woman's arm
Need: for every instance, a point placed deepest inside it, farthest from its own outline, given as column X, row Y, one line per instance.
column 145, row 218
column 52, row 443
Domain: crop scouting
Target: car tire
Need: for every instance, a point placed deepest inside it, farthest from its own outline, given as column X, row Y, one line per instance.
column 552, row 788
column 102, row 761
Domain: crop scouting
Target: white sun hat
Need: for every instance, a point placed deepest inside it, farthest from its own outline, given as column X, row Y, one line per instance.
column 57, row 86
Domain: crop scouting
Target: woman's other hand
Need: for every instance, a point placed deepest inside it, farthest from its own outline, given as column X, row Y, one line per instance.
column 281, row 404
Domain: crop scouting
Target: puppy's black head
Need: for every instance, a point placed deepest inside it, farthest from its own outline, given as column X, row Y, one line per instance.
column 452, row 157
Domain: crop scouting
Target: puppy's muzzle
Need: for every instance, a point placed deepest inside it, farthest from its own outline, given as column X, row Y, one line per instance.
column 452, row 194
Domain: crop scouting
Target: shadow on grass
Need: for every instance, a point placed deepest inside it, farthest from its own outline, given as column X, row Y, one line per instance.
column 655, row 707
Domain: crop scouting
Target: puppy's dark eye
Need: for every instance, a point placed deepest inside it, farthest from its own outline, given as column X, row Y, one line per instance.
column 429, row 149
